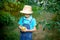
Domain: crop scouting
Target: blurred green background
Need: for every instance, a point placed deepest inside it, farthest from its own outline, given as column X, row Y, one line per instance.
column 46, row 12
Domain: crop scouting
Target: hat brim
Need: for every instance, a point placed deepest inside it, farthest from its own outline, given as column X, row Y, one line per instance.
column 26, row 12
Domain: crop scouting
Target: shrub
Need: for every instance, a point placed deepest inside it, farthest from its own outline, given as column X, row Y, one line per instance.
column 6, row 19
column 8, row 26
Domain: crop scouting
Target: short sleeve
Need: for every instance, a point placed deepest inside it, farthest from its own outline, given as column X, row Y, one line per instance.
column 20, row 21
column 33, row 22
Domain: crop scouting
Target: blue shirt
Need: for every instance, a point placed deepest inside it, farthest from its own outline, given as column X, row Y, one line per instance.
column 27, row 21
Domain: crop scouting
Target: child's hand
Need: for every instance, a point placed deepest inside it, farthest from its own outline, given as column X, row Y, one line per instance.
column 20, row 27
column 24, row 30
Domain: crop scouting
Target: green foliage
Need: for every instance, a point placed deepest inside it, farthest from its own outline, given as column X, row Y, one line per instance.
column 9, row 33
column 1, row 2
column 8, row 27
column 54, row 6
column 28, row 2
column 6, row 19
column 52, row 26
column 11, row 6
column 14, row 6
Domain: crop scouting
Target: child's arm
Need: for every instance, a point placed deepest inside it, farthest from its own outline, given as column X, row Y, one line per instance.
column 34, row 29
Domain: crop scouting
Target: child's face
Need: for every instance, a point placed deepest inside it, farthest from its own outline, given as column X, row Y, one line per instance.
column 27, row 15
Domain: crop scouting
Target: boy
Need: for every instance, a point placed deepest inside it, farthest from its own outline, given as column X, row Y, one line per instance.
column 27, row 23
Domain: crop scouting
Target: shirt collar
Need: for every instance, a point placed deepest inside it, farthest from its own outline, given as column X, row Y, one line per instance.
column 28, row 18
